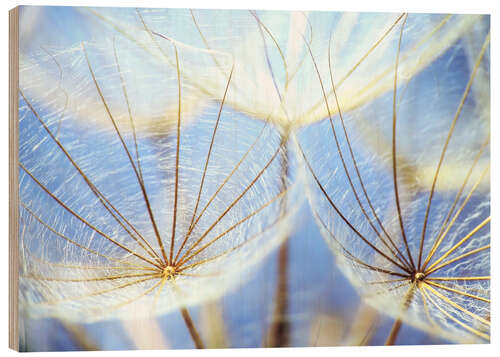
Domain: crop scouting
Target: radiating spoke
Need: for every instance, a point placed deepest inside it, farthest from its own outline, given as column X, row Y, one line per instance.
column 399, row 255
column 352, row 256
column 80, row 280
column 132, row 300
column 408, row 54
column 184, row 259
column 381, row 282
column 340, row 151
column 206, row 165
column 262, row 26
column 394, row 159
column 30, row 257
column 438, row 240
column 60, row 88
column 158, row 293
column 426, row 307
column 459, row 278
column 84, row 221
column 207, row 275
column 455, row 305
column 131, row 160
column 184, row 267
column 131, row 119
column 221, row 186
column 406, row 299
column 457, row 291
column 127, row 151
column 448, row 138
column 234, row 202
column 360, row 61
column 454, row 319
column 102, row 199
column 204, row 39
column 460, row 257
column 60, row 235
column 349, row 224
column 88, row 267
column 454, row 219
column 462, row 241
column 99, row 292
column 177, row 152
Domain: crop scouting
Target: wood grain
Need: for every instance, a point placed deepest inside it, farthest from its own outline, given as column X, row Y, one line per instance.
column 13, row 178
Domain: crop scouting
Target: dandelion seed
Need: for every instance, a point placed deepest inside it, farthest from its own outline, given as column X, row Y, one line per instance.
column 416, row 248
column 131, row 209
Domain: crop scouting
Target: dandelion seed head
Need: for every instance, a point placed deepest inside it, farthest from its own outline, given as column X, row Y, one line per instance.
column 169, row 272
column 418, row 277
column 400, row 189
column 125, row 218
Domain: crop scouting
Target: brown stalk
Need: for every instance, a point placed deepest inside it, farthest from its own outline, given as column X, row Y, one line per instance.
column 396, row 327
column 279, row 331
column 79, row 336
column 192, row 329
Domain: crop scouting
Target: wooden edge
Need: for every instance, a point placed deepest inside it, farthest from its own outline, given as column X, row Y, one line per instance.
column 13, row 178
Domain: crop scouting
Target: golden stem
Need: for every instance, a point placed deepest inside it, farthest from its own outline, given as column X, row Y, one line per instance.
column 394, row 333
column 279, row 331
column 192, row 328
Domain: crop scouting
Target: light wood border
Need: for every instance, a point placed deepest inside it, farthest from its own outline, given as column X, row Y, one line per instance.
column 13, row 178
